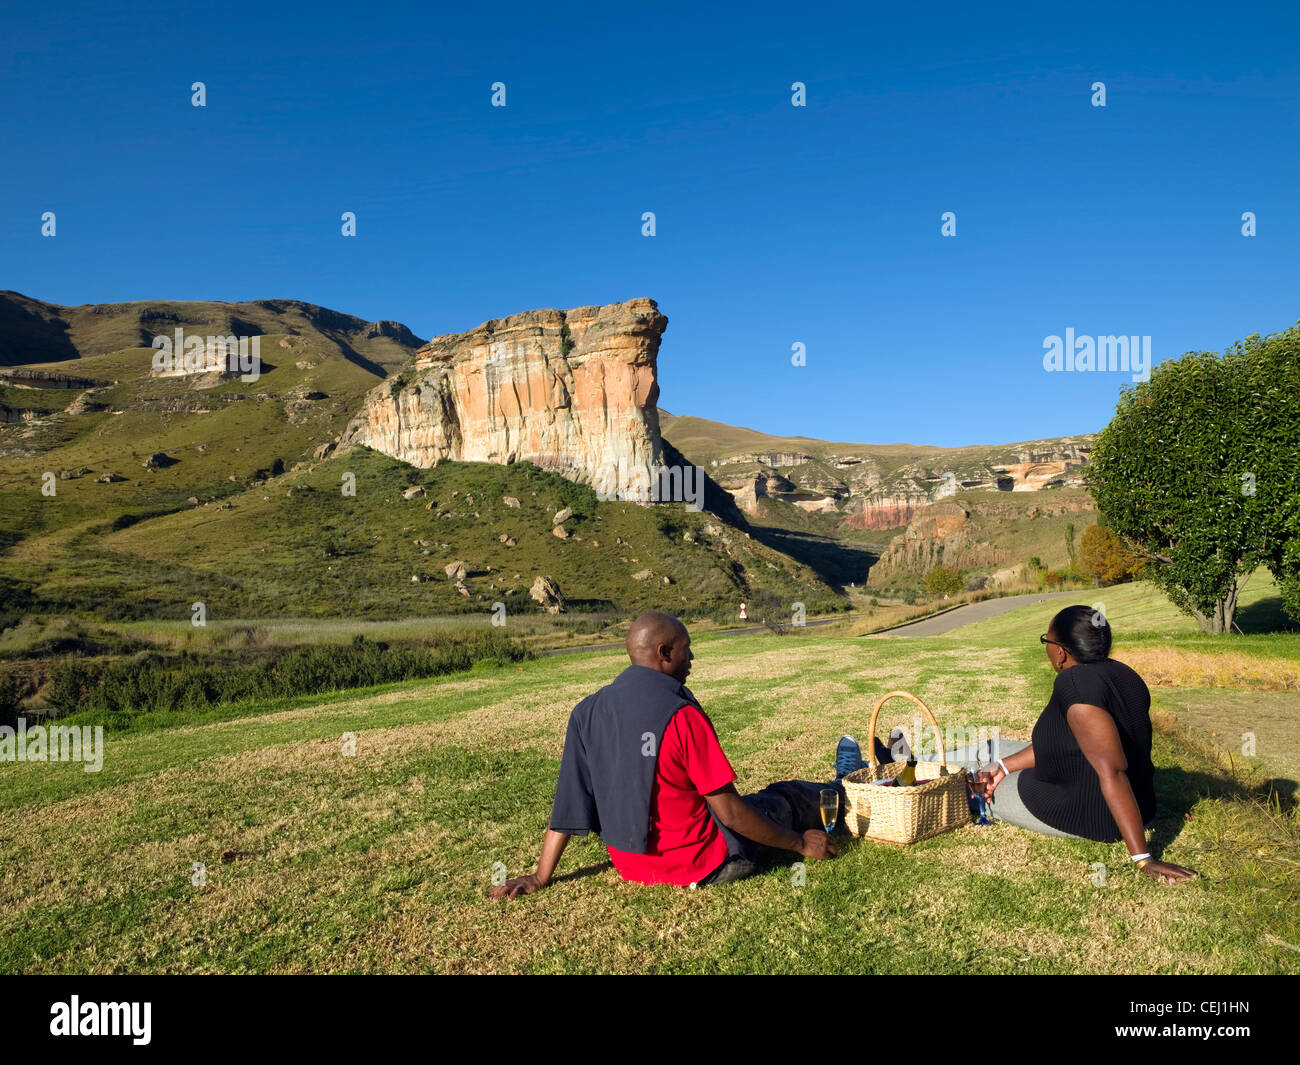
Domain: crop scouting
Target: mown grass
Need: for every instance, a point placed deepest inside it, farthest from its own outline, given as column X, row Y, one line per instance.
column 381, row 861
column 1140, row 614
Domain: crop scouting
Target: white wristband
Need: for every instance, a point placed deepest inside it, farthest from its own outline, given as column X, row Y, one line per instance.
column 1139, row 857
column 1003, row 765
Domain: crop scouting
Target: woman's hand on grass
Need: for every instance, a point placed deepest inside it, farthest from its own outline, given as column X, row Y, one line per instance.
column 1167, row 872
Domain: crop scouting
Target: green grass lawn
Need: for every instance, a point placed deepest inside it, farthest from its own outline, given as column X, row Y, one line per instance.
column 381, row 861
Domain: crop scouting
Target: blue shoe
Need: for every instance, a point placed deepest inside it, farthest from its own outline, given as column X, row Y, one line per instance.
column 848, row 757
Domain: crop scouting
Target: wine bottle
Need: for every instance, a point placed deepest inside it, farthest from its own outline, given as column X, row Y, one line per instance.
column 908, row 775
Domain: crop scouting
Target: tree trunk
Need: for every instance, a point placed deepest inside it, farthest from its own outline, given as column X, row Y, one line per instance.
column 1219, row 620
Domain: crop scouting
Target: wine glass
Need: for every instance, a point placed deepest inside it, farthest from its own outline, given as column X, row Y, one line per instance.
column 981, row 800
column 830, row 804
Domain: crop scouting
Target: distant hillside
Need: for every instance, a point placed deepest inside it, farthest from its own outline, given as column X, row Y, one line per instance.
column 35, row 332
column 94, row 419
column 868, row 486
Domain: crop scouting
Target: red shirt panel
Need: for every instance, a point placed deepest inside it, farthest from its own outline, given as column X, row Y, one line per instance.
column 684, row 844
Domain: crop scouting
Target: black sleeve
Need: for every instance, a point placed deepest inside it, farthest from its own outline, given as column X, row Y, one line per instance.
column 574, row 811
column 1079, row 684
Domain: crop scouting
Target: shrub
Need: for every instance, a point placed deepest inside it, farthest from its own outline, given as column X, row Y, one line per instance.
column 1104, row 558
column 149, row 685
column 69, row 684
column 9, row 698
column 943, row 580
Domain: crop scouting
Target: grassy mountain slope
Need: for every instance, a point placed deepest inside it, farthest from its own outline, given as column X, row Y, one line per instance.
column 35, row 332
column 295, row 545
column 216, row 440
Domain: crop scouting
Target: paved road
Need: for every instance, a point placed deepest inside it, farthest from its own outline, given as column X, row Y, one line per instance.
column 807, row 625
column 965, row 615
column 719, row 632
column 935, row 626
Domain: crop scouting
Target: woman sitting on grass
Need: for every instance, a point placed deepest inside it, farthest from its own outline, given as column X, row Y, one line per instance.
column 1087, row 773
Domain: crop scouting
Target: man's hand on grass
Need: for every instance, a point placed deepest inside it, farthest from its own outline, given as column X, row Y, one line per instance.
column 817, row 843
column 520, row 885
column 1167, row 872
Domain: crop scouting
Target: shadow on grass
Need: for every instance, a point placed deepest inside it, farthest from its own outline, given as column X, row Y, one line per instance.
column 1179, row 790
column 585, row 871
column 1263, row 616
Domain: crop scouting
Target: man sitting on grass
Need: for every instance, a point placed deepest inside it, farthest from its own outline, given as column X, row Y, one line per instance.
column 643, row 768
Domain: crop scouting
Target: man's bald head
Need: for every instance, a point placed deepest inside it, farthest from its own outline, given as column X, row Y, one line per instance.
column 659, row 641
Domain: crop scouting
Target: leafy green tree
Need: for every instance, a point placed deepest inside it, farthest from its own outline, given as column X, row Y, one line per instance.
column 943, row 580
column 1269, row 475
column 1192, row 475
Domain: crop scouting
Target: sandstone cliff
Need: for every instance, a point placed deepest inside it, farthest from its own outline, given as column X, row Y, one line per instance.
column 570, row 391
column 937, row 535
column 981, row 533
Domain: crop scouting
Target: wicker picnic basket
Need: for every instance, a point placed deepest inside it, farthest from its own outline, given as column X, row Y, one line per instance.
column 935, row 804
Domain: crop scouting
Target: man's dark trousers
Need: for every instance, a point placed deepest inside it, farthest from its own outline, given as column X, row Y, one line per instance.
column 793, row 804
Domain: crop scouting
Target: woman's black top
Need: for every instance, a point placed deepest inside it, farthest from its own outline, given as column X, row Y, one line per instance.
column 1062, row 788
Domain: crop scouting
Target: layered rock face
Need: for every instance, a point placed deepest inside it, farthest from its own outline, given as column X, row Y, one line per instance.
column 878, row 486
column 570, row 391
column 938, row 534
column 1031, row 474
column 886, row 510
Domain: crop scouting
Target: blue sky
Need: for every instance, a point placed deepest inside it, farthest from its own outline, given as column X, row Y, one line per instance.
column 775, row 224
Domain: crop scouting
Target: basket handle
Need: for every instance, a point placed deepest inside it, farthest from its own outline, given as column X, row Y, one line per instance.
column 871, row 758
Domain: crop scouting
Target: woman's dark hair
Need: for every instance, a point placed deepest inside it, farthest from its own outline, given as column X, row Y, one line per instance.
column 1084, row 632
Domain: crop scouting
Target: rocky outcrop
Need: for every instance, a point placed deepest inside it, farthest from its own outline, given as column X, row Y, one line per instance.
column 15, row 377
column 547, row 595
column 748, row 489
column 747, row 493
column 1047, row 470
column 773, row 459
column 18, row 415
column 939, row 534
column 888, row 510
column 394, row 331
column 825, row 505
column 570, row 391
